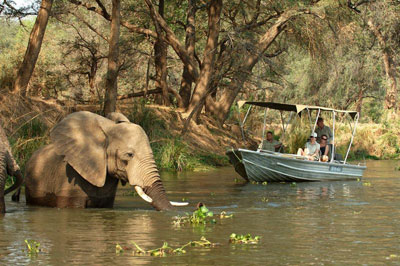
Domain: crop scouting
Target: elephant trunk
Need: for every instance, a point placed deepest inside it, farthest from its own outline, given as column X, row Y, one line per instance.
column 152, row 184
column 17, row 184
column 157, row 193
column 3, row 176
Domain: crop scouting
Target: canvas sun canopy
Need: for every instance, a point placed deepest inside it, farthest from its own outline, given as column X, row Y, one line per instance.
column 298, row 108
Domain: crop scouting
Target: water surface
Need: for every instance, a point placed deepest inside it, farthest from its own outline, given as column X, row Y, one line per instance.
column 307, row 223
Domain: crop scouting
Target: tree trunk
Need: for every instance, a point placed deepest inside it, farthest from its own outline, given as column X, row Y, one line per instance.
column 173, row 40
column 202, row 85
column 391, row 90
column 187, row 80
column 229, row 94
column 160, row 58
column 32, row 52
column 112, row 71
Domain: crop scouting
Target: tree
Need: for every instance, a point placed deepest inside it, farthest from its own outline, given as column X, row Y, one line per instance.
column 32, row 52
column 111, row 87
column 386, row 45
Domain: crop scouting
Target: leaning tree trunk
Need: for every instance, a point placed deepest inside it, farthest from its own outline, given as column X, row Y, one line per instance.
column 160, row 59
column 32, row 52
column 112, row 71
column 187, row 80
column 201, row 89
column 391, row 91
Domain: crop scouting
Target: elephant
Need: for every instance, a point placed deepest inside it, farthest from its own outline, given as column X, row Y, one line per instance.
column 88, row 154
column 8, row 166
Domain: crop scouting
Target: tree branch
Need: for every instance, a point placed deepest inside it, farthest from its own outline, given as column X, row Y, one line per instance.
column 129, row 26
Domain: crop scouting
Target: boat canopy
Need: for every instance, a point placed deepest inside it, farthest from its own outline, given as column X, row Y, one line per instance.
column 298, row 108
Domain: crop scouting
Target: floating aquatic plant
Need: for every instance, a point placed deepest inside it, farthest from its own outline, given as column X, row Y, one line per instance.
column 264, row 199
column 165, row 250
column 224, row 215
column 33, row 247
column 243, row 239
column 264, row 183
column 293, row 184
column 200, row 216
column 367, row 184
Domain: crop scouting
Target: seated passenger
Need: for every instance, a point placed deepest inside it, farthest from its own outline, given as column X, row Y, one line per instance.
column 324, row 148
column 270, row 144
column 311, row 150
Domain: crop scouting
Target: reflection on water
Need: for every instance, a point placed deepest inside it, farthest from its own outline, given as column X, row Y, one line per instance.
column 303, row 223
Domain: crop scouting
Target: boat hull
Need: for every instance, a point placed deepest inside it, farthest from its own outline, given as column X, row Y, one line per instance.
column 278, row 167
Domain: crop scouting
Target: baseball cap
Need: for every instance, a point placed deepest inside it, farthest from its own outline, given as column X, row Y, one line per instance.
column 313, row 134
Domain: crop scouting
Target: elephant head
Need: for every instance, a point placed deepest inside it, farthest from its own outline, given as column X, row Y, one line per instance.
column 96, row 147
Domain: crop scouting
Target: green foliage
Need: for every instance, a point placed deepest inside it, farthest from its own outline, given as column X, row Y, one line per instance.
column 243, row 239
column 33, row 247
column 172, row 154
column 297, row 136
column 201, row 216
column 27, row 139
column 147, row 119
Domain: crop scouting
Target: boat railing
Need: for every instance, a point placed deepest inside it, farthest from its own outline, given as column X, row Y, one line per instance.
column 301, row 157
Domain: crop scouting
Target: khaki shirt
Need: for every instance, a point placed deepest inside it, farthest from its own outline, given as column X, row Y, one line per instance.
column 312, row 148
column 269, row 146
column 324, row 131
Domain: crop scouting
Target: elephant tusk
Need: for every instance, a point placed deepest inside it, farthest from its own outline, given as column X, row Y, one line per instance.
column 143, row 195
column 180, row 204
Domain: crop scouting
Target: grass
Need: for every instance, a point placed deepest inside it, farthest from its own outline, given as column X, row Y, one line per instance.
column 25, row 141
column 171, row 152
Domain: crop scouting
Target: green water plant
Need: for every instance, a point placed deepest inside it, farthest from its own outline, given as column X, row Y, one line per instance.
column 165, row 250
column 33, row 247
column 367, row 184
column 243, row 239
column 201, row 216
column 224, row 215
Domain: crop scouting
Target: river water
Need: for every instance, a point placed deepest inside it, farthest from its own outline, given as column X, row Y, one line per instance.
column 355, row 222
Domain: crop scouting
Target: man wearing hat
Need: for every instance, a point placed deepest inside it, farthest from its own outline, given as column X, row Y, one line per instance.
column 311, row 150
column 323, row 130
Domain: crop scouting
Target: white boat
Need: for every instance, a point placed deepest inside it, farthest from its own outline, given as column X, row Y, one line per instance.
column 262, row 166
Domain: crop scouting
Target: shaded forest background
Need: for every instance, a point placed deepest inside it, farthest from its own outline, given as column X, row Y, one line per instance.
column 197, row 58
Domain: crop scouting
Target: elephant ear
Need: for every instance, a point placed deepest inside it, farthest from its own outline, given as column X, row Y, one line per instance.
column 81, row 139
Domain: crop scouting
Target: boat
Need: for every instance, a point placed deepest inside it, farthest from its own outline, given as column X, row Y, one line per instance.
column 275, row 166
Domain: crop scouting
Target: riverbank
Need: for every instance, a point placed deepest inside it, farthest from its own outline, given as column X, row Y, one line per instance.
column 28, row 121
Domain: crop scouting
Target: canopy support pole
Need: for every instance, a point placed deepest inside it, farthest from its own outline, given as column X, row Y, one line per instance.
column 333, row 136
column 352, row 136
column 284, row 130
column 265, row 121
column 244, row 121
column 309, row 117
column 316, row 120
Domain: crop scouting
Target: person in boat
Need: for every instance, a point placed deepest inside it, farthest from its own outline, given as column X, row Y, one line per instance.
column 324, row 148
column 323, row 130
column 311, row 150
column 270, row 144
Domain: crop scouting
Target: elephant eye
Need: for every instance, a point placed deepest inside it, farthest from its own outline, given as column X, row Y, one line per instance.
column 130, row 154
